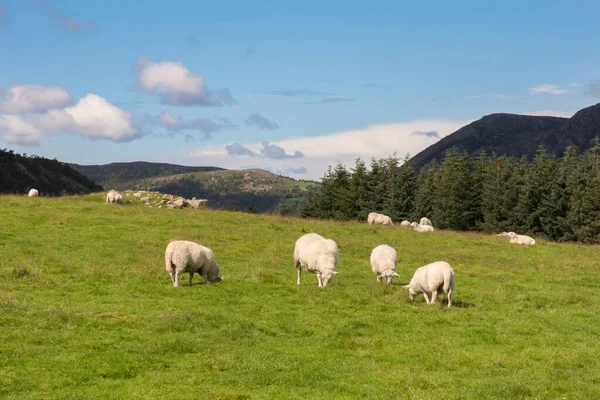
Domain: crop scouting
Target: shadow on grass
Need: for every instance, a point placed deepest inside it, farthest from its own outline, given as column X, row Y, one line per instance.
column 462, row 304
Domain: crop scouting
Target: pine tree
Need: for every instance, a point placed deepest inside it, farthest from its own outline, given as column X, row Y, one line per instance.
column 454, row 198
column 425, row 192
column 359, row 190
column 534, row 207
column 403, row 191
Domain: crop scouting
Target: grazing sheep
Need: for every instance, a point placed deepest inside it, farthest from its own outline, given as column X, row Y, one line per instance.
column 318, row 255
column 114, row 197
column 520, row 239
column 33, row 193
column 380, row 219
column 425, row 221
column 422, row 228
column 431, row 279
column 184, row 256
column 383, row 262
column 405, row 223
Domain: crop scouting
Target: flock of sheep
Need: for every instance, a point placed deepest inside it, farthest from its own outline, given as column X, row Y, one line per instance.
column 320, row 256
column 425, row 225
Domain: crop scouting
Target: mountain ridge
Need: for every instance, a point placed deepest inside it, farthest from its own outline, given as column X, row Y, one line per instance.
column 516, row 135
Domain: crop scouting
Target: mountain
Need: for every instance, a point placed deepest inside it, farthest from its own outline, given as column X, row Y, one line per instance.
column 19, row 173
column 517, row 135
column 253, row 189
column 121, row 176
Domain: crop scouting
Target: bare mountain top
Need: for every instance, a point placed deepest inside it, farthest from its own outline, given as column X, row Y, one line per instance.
column 518, row 135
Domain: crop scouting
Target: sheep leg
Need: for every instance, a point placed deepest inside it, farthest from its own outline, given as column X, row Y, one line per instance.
column 191, row 277
column 319, row 280
column 449, row 298
column 378, row 278
column 426, row 297
column 299, row 273
column 172, row 277
column 177, row 275
column 434, row 296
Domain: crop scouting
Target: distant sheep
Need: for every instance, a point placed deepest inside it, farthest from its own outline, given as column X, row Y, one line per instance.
column 33, row 193
column 114, row 197
column 317, row 255
column 520, row 239
column 425, row 221
column 431, row 279
column 405, row 223
column 379, row 219
column 383, row 262
column 185, row 256
column 422, row 228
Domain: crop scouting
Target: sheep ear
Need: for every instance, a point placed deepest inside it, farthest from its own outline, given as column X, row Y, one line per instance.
column 335, row 273
column 395, row 274
column 406, row 286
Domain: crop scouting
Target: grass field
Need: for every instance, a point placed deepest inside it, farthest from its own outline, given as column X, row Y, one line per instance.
column 87, row 311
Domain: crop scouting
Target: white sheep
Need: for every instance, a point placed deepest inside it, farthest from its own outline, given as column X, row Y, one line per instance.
column 425, row 221
column 431, row 279
column 317, row 255
column 33, row 193
column 380, row 219
column 405, row 223
column 383, row 262
column 185, row 256
column 422, row 228
column 520, row 239
column 114, row 197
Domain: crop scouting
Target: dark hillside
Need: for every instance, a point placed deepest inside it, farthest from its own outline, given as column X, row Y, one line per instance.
column 19, row 173
column 517, row 135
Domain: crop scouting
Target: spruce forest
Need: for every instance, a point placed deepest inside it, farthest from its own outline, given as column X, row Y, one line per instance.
column 556, row 198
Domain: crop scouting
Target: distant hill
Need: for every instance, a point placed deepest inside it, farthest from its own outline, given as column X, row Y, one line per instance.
column 253, row 189
column 122, row 176
column 518, row 135
column 19, row 173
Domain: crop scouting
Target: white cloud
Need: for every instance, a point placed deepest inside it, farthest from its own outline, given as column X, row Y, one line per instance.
column 549, row 113
column 92, row 117
column 549, row 89
column 33, row 98
column 321, row 151
column 175, row 84
column 491, row 96
column 96, row 118
column 17, row 130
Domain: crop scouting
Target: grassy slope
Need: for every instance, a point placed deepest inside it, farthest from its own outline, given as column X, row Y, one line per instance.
column 88, row 311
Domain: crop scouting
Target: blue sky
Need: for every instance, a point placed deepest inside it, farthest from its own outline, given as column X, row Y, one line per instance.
column 292, row 87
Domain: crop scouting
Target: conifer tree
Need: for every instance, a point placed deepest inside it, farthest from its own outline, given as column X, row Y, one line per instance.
column 403, row 191
column 424, row 195
column 453, row 205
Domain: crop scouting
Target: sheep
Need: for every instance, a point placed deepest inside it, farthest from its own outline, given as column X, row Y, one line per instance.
column 114, row 197
column 431, row 279
column 422, row 228
column 185, row 256
column 33, row 193
column 317, row 255
column 425, row 221
column 405, row 223
column 383, row 262
column 380, row 219
column 520, row 239
column 505, row 233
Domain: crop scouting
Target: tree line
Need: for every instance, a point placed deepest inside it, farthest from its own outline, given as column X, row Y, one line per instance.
column 558, row 198
column 19, row 173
